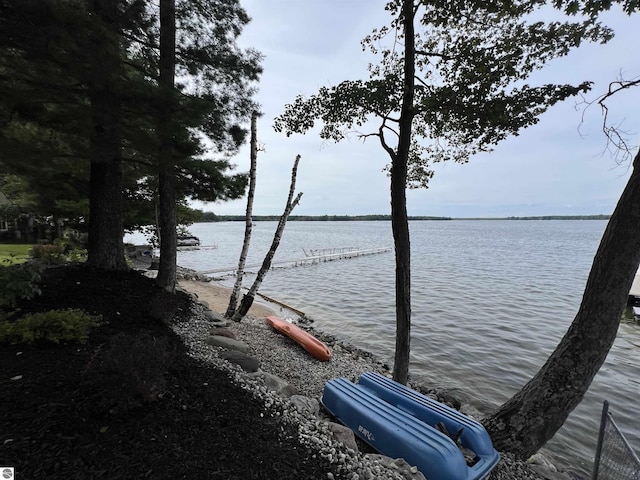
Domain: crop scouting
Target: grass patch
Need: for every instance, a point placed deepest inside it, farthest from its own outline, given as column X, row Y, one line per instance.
column 13, row 253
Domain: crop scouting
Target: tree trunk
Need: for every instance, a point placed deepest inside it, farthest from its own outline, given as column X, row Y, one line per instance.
column 248, row 298
column 533, row 415
column 399, row 219
column 105, row 244
column 166, row 178
column 233, row 300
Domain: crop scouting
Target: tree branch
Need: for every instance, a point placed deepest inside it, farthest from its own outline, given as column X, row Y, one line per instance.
column 618, row 140
column 434, row 54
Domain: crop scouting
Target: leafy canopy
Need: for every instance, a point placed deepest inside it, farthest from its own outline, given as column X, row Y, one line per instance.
column 473, row 61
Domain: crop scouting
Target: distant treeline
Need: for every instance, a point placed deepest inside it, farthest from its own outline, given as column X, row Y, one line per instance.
column 563, row 217
column 212, row 217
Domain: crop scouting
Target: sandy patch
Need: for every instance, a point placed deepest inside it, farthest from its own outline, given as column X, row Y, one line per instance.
column 217, row 296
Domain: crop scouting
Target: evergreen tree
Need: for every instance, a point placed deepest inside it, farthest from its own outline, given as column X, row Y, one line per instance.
column 80, row 87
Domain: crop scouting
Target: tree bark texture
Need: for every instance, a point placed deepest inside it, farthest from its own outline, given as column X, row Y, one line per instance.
column 399, row 219
column 105, row 245
column 532, row 416
column 166, row 178
column 233, row 300
column 248, row 298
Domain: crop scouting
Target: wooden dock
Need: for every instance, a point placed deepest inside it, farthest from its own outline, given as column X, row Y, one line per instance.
column 340, row 254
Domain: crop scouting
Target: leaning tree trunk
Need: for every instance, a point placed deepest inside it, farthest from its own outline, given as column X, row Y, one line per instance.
column 106, row 232
column 166, row 178
column 531, row 417
column 399, row 219
column 233, row 300
column 249, row 297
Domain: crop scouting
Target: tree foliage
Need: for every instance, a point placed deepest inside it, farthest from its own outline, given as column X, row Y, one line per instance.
column 473, row 61
column 451, row 82
column 47, row 59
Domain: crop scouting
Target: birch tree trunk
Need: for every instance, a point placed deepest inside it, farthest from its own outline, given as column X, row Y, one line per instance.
column 233, row 300
column 249, row 297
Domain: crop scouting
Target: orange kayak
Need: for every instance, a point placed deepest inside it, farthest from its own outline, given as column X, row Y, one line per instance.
column 310, row 343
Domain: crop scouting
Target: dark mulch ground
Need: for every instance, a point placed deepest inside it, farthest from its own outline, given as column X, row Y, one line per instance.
column 130, row 403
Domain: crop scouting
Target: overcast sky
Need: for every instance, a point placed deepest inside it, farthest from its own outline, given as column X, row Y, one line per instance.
column 554, row 168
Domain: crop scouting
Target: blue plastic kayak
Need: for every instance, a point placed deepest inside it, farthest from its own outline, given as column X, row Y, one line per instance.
column 400, row 423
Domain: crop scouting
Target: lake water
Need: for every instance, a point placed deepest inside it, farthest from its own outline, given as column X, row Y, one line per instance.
column 490, row 301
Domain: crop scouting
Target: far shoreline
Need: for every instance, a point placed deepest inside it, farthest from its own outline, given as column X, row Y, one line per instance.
column 210, row 217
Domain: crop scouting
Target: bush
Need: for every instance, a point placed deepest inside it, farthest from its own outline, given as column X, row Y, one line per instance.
column 130, row 370
column 77, row 255
column 52, row 326
column 18, row 282
column 49, row 254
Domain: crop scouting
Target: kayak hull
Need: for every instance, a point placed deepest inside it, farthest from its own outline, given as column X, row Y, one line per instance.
column 400, row 422
column 311, row 344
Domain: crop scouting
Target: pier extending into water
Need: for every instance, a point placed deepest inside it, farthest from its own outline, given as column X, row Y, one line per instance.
column 324, row 255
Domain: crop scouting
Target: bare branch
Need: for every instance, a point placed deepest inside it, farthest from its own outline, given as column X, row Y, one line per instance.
column 618, row 142
column 434, row 54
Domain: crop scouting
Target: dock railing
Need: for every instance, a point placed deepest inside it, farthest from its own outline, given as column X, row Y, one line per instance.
column 308, row 260
column 615, row 459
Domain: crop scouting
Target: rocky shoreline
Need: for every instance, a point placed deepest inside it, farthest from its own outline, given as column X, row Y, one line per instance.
column 289, row 382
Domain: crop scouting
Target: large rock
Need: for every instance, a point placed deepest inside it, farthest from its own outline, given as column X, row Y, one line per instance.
column 246, row 362
column 276, row 384
column 223, row 332
column 306, row 405
column 344, row 434
column 216, row 319
column 228, row 343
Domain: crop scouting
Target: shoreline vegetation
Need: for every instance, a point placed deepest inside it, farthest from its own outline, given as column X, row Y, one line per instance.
column 210, row 217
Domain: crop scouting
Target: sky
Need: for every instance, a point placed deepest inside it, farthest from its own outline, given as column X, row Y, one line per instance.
column 558, row 167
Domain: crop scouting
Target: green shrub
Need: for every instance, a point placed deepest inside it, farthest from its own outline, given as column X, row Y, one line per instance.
column 49, row 254
column 77, row 255
column 18, row 282
column 52, row 326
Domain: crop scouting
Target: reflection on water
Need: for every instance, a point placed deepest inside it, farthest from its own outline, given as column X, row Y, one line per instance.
column 490, row 301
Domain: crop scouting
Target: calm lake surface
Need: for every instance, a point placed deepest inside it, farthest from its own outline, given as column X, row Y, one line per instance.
column 491, row 300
